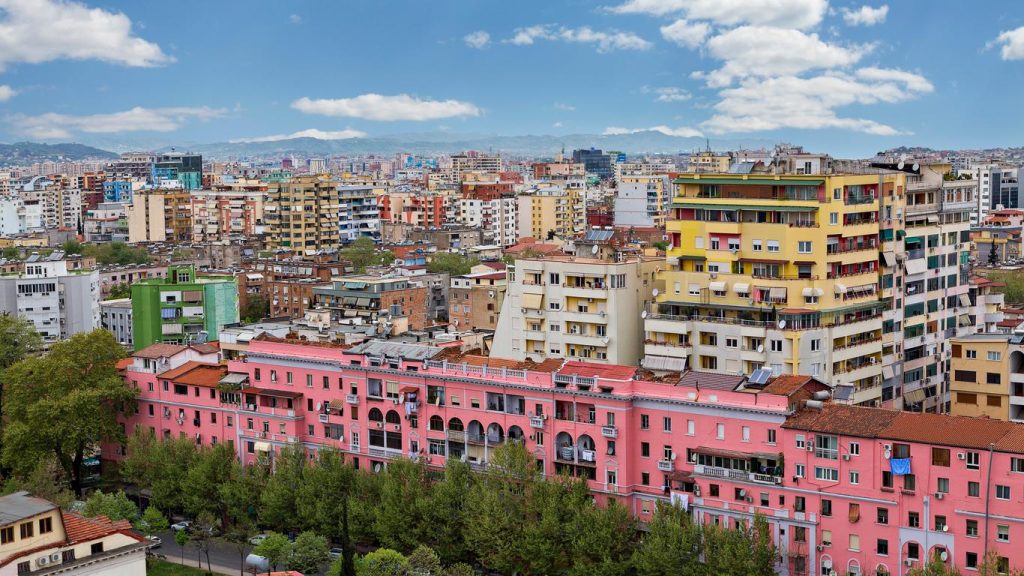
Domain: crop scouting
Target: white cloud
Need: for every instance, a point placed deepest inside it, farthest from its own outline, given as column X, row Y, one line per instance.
column 759, row 104
column 565, row 107
column 35, row 31
column 52, row 125
column 295, row 19
column 671, row 94
column 386, row 108
column 6, row 93
column 605, row 41
column 479, row 39
column 346, row 134
column 681, row 132
column 785, row 13
column 765, row 51
column 685, row 33
column 1012, row 42
column 865, row 15
column 556, row 125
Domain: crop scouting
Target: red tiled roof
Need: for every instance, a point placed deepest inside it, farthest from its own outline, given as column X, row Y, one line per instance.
column 497, row 265
column 1011, row 323
column 787, row 384
column 587, row 369
column 961, row 431
column 82, row 529
column 196, row 374
column 207, row 347
column 842, row 419
column 159, row 350
column 710, row 380
column 124, row 363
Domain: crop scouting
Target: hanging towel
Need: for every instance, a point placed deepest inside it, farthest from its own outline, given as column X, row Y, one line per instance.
column 681, row 500
column 899, row 466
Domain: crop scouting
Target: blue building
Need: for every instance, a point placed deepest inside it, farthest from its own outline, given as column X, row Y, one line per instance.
column 594, row 161
column 119, row 191
column 183, row 167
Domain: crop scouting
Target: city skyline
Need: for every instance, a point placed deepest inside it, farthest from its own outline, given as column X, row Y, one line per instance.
column 692, row 69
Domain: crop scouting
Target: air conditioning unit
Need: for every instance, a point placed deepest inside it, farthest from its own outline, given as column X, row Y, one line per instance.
column 846, row 457
column 820, row 547
column 42, row 560
column 909, row 562
column 55, row 557
column 938, row 495
column 810, row 448
column 961, row 456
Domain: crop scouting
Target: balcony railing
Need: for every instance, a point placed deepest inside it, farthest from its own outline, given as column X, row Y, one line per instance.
column 536, row 421
column 733, row 474
column 609, row 431
column 352, row 398
column 666, row 465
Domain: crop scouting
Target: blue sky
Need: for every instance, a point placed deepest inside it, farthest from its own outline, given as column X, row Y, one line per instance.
column 838, row 76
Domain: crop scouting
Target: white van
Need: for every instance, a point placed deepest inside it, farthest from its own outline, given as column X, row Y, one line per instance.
column 256, row 563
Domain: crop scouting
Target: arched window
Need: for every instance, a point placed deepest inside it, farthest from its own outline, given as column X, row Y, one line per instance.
column 455, row 424
column 393, row 417
column 436, row 423
column 376, row 415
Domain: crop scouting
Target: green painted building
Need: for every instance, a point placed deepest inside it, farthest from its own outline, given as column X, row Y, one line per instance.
column 183, row 307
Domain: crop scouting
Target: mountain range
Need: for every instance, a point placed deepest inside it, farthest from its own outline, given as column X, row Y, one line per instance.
column 23, row 153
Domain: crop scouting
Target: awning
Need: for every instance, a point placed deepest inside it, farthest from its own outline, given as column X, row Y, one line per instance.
column 348, row 301
column 722, row 452
column 762, row 261
column 336, row 404
column 693, row 258
column 914, row 396
column 262, row 446
column 819, row 292
column 808, row 292
column 965, row 300
column 254, row 276
column 408, row 389
column 889, row 258
column 679, row 475
column 532, row 301
column 777, row 293
column 840, row 288
column 362, row 302
column 887, row 371
column 273, row 393
column 750, row 181
column 234, row 378
column 664, row 363
column 933, row 219
column 964, row 320
column 732, row 207
column 740, row 288
column 717, row 286
column 917, row 266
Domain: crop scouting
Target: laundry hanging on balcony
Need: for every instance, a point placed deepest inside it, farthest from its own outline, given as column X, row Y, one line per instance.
column 681, row 499
column 899, row 466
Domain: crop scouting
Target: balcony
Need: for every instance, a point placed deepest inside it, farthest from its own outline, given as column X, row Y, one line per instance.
column 537, row 422
column 609, row 431
column 566, row 453
column 323, row 418
column 666, row 465
column 457, row 436
column 738, row 475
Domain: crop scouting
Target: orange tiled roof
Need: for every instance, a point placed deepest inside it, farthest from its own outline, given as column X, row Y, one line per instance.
column 196, row 374
column 82, row 529
column 124, row 363
column 842, row 419
column 786, row 384
column 159, row 350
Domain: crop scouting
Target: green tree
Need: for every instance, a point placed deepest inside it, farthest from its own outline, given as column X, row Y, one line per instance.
column 241, row 491
column 280, row 497
column 445, row 513
column 308, row 553
column 65, row 404
column 993, row 256
column 201, row 532
column 256, row 308
column 601, row 540
column 152, row 521
column 209, row 469
column 238, row 535
column 423, row 562
column 382, row 562
column 114, row 505
column 362, row 252
column 181, row 539
column 934, row 568
column 159, row 466
column 116, row 253
column 120, row 290
column 275, row 548
column 459, row 569
column 46, row 481
column 672, row 547
column 325, row 502
column 18, row 340
column 452, row 263
column 404, row 489
column 12, row 253
column 71, row 246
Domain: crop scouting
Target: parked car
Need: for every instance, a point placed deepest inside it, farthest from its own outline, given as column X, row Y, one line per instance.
column 258, row 539
column 336, row 553
column 181, row 526
column 154, row 542
column 256, row 563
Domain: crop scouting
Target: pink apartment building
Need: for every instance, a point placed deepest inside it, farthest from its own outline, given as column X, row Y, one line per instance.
column 721, row 446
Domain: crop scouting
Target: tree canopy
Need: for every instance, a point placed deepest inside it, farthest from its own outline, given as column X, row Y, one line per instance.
column 116, row 253
column 454, row 264
column 362, row 252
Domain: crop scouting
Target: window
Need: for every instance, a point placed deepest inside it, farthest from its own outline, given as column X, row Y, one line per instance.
column 666, row 423
column 720, row 432
column 803, row 247
column 645, row 450
column 971, row 560
column 940, row 457
column 645, row 478
column 744, row 434
column 854, row 542
column 6, row 534
column 909, row 482
column 693, row 289
column 815, row 344
column 776, row 345
column 993, row 378
column 826, row 447
column 554, row 278
column 972, row 528
column 756, row 245
column 773, row 245
column 713, row 489
column 972, row 354
column 799, row 534
column 994, row 356
column 1002, row 492
column 901, row 450
column 913, row 551
column 942, row 485
column 24, row 567
column 913, row 520
column 973, row 489
column 940, row 524
column 826, row 537
column 854, row 448
column 973, row 460
column 732, row 343
column 826, row 474
column 771, row 437
column 833, row 218
column 691, row 427
column 826, row 507
column 1002, row 533
column 800, row 504
column 800, row 442
column 800, row 471
column 882, row 547
column 96, row 548
column 882, row 516
column 26, row 530
column 854, row 477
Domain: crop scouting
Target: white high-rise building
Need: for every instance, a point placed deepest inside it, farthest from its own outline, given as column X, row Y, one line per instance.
column 59, row 303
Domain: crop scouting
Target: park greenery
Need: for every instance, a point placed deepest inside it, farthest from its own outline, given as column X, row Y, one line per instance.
column 362, row 252
column 451, row 263
column 256, row 308
column 112, row 253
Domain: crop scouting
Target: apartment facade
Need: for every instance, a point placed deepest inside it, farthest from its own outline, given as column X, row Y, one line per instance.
column 160, row 215
column 60, row 302
column 552, row 209
column 577, row 307
column 116, row 318
column 182, row 307
column 475, row 299
column 375, row 299
column 224, row 213
column 777, row 272
column 640, row 200
column 851, row 489
column 358, row 212
column 302, row 215
column 988, row 376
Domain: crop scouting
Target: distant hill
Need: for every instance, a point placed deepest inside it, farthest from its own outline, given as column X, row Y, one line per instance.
column 441, row 143
column 22, row 153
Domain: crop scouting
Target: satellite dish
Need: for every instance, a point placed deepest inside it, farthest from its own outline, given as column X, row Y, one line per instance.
column 782, row 324
column 605, row 340
column 654, row 292
column 760, row 348
column 319, row 406
column 916, row 166
column 643, row 314
column 594, row 249
column 900, row 165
